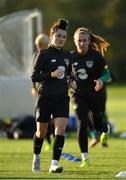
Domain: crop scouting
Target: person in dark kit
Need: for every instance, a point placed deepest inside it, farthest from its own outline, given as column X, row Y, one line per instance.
column 90, row 75
column 51, row 69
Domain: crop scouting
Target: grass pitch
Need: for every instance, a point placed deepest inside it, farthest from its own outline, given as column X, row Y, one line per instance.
column 16, row 155
column 16, row 159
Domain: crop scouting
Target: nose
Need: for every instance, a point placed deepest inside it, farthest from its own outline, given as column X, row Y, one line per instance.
column 81, row 43
column 62, row 38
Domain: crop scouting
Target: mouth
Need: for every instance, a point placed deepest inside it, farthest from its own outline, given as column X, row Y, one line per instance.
column 82, row 47
column 60, row 42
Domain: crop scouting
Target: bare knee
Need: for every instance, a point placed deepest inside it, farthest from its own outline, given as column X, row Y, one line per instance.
column 60, row 125
column 59, row 131
column 40, row 135
column 41, row 130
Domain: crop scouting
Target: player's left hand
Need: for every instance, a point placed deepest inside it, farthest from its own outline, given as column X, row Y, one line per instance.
column 99, row 84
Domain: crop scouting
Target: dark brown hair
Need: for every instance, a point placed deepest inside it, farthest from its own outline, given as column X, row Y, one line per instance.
column 60, row 24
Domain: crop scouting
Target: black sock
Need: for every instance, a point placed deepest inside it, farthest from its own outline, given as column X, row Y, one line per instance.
column 58, row 146
column 37, row 144
column 82, row 137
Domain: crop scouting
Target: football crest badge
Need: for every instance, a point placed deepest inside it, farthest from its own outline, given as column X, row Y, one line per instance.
column 89, row 64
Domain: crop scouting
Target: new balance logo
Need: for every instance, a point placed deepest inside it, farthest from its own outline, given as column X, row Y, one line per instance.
column 53, row 60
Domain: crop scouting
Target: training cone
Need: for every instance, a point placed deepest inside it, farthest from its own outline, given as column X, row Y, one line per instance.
column 121, row 174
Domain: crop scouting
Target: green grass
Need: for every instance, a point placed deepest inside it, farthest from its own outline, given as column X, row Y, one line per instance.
column 16, row 155
column 116, row 106
column 16, row 159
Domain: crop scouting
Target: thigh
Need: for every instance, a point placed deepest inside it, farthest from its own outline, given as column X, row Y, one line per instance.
column 97, row 103
column 81, row 109
column 80, row 106
column 97, row 106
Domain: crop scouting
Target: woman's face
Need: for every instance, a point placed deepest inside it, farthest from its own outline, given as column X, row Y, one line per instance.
column 58, row 38
column 82, row 42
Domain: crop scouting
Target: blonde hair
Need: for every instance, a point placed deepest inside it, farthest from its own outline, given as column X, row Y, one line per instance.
column 41, row 39
column 96, row 42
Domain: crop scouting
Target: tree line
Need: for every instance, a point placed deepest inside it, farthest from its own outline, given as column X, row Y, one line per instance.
column 105, row 18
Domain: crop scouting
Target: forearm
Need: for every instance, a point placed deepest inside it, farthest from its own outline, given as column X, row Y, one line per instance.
column 106, row 77
column 40, row 76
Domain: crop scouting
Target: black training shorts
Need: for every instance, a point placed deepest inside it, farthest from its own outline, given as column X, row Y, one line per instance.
column 57, row 106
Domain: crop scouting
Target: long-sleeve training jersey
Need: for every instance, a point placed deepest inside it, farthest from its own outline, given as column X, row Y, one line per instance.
column 47, row 61
column 87, row 68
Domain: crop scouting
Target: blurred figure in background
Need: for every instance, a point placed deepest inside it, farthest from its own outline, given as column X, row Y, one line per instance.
column 90, row 75
column 41, row 42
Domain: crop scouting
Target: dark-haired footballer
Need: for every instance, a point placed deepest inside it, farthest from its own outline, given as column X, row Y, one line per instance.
column 90, row 74
column 51, row 69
